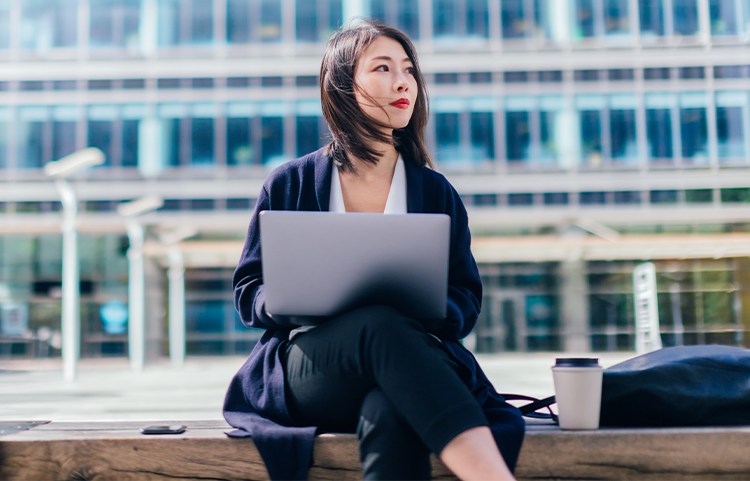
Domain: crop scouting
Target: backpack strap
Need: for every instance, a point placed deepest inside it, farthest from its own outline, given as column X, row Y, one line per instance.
column 530, row 410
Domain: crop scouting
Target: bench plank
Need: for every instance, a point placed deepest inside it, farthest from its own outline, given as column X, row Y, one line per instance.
column 117, row 451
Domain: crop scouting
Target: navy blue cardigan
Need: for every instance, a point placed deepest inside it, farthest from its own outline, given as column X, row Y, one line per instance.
column 255, row 402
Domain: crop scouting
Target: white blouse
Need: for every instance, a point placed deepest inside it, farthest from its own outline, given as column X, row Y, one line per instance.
column 396, row 203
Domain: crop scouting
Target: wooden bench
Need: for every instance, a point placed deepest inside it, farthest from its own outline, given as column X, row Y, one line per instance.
column 117, row 451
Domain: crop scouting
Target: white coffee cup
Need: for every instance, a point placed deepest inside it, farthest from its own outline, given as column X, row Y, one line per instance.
column 578, row 392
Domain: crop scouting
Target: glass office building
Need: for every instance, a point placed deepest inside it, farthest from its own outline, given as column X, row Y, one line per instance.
column 585, row 136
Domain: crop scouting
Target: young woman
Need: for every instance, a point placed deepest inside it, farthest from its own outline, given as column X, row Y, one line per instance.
column 406, row 387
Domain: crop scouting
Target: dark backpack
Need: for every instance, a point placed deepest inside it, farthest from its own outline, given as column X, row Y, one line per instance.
column 675, row 386
column 679, row 386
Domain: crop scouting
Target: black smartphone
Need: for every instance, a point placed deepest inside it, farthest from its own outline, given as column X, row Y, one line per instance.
column 164, row 429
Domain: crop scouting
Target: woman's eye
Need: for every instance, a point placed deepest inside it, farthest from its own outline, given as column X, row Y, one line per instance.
column 382, row 68
column 410, row 70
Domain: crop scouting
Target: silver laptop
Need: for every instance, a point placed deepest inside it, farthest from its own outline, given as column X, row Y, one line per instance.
column 321, row 264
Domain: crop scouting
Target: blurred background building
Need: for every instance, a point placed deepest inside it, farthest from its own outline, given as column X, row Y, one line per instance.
column 585, row 136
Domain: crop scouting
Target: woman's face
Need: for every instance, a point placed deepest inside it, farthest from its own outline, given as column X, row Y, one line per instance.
column 385, row 73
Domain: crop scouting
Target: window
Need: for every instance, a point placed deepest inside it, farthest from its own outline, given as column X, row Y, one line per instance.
column 306, row 81
column 550, row 76
column 317, row 19
column 730, row 124
column 517, row 136
column 202, row 141
column 592, row 198
column 586, row 75
column 48, row 24
column 556, row 198
column 585, row 23
column 271, row 81
column 692, row 72
column 446, row 78
column 723, row 17
column 520, row 199
column 31, row 137
column 114, row 23
column 660, row 73
column 621, row 74
column 308, row 135
column 698, row 196
column 515, row 77
column 133, row 83
column 239, row 145
column 272, row 141
column 460, row 18
column 238, row 82
column 663, row 196
column 628, row 197
column 253, row 21
column 4, row 24
column 168, row 83
column 659, row 133
column 202, row 83
column 27, row 85
column 694, row 133
column 130, row 143
column 694, row 128
column 480, row 77
column 514, row 24
column 448, row 138
column 63, row 138
column 173, row 141
column 185, row 22
column 730, row 71
column 685, row 17
column 403, row 15
column 100, row 85
column 482, row 136
column 591, row 137
column 616, row 21
column 651, row 17
column 3, row 139
column 549, row 131
column 100, row 136
column 622, row 135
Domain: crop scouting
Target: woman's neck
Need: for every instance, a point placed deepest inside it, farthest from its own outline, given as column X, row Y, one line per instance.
column 384, row 166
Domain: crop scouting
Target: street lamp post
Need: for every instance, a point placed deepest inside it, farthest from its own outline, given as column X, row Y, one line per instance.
column 136, row 277
column 71, row 309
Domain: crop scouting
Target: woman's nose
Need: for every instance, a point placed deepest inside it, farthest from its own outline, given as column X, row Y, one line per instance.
column 401, row 84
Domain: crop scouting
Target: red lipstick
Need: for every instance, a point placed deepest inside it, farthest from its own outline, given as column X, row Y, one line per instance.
column 401, row 103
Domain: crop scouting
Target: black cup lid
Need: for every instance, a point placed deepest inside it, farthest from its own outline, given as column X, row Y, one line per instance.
column 576, row 362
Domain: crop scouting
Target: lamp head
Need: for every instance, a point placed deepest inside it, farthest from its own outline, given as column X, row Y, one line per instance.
column 75, row 162
column 140, row 206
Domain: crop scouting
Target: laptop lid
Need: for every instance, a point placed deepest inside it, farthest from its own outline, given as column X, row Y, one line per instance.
column 324, row 264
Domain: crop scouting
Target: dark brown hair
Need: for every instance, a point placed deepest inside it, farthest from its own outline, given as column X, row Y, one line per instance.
column 351, row 129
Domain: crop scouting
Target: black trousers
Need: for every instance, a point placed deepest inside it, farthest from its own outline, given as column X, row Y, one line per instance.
column 378, row 373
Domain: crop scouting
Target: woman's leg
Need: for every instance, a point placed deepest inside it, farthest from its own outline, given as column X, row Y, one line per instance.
column 473, row 456
column 331, row 369
column 389, row 449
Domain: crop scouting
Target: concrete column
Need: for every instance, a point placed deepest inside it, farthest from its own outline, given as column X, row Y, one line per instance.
column 148, row 27
column 355, row 8
column 155, row 313
column 574, row 308
column 136, row 296
column 176, row 274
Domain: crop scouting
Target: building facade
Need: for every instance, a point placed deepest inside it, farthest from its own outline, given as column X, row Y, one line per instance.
column 585, row 137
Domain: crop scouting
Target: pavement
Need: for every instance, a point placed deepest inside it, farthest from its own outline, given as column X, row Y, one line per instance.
column 108, row 390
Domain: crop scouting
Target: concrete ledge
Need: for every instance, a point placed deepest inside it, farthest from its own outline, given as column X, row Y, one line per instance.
column 117, row 451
